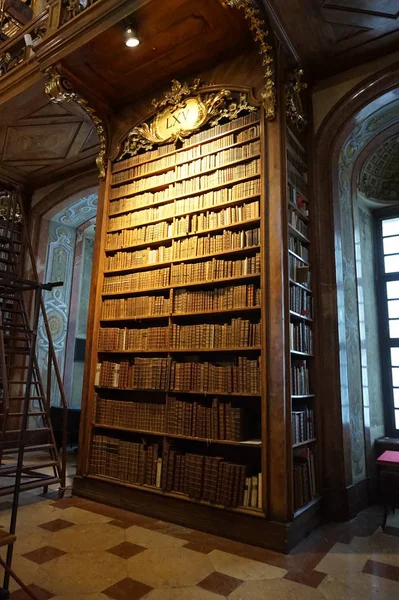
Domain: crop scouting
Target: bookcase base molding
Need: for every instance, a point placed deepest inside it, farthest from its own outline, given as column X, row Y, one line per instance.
column 257, row 531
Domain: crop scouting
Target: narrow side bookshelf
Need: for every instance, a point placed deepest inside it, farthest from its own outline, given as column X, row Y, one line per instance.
column 301, row 327
column 178, row 387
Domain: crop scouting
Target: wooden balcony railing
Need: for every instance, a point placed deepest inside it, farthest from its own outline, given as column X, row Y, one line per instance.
column 21, row 47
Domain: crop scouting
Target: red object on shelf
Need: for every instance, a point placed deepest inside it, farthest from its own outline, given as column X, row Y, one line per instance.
column 389, row 457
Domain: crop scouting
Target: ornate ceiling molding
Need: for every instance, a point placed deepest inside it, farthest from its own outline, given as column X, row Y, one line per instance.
column 379, row 176
column 260, row 34
column 293, row 100
column 60, row 89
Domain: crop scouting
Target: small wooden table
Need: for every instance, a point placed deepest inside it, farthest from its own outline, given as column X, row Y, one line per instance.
column 388, row 467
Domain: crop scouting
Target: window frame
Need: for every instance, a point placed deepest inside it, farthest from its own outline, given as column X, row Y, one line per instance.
column 386, row 343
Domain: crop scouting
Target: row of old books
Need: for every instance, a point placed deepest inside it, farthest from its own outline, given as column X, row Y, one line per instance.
column 185, row 249
column 301, row 337
column 139, row 258
column 139, row 235
column 140, row 373
column 131, row 282
column 305, row 489
column 208, row 478
column 212, row 132
column 220, row 177
column 298, row 271
column 152, row 338
column 299, row 248
column 222, row 298
column 297, row 223
column 140, row 306
column 297, row 163
column 296, row 197
column 144, row 416
column 182, row 274
column 140, row 217
column 302, row 425
column 218, row 159
column 143, row 157
column 127, row 461
column 184, row 301
column 299, row 378
column 301, row 301
column 218, row 144
column 214, row 269
column 214, row 198
column 214, row 219
column 145, row 168
column 193, row 246
column 236, row 192
column 237, row 333
column 239, row 375
column 141, row 201
column 143, row 184
column 220, row 421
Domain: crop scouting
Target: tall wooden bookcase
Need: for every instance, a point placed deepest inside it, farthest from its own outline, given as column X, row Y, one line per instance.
column 177, row 414
column 301, row 314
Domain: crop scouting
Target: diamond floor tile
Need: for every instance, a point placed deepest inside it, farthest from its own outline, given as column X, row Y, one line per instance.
column 44, row 554
column 39, row 592
column 127, row 589
column 56, row 525
column 126, row 550
column 220, row 583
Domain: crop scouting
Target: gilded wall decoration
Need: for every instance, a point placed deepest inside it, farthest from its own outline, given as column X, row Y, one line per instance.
column 182, row 113
column 293, row 100
column 60, row 89
column 260, row 35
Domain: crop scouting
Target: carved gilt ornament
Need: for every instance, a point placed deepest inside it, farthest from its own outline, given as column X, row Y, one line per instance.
column 259, row 34
column 183, row 113
column 60, row 89
column 294, row 105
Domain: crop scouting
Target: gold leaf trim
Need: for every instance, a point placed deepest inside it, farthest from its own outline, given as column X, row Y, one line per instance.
column 60, row 89
column 294, row 105
column 211, row 106
column 259, row 34
column 175, row 97
column 7, row 212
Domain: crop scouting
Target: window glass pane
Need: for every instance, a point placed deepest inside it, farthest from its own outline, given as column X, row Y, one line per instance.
column 394, row 328
column 396, row 397
column 391, row 245
column 395, row 357
column 397, row 419
column 395, row 377
column 390, row 227
column 392, row 289
column 393, row 309
column 391, row 263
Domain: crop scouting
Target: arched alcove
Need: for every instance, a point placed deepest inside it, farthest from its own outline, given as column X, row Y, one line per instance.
column 346, row 296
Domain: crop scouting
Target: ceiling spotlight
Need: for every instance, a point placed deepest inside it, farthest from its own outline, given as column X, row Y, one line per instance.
column 131, row 37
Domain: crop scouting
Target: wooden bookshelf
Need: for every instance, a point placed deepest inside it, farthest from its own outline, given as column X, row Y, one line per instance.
column 301, row 317
column 180, row 334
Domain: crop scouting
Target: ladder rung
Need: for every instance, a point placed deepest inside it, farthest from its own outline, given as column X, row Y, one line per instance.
column 23, row 398
column 13, row 468
column 36, row 448
column 44, row 481
column 30, row 414
column 38, row 430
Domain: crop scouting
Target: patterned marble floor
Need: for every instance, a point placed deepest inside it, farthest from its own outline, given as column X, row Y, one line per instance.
column 73, row 549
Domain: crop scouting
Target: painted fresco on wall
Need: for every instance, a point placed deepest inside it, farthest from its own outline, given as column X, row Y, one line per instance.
column 60, row 267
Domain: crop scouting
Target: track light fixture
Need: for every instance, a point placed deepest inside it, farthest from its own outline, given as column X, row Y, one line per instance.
column 131, row 37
